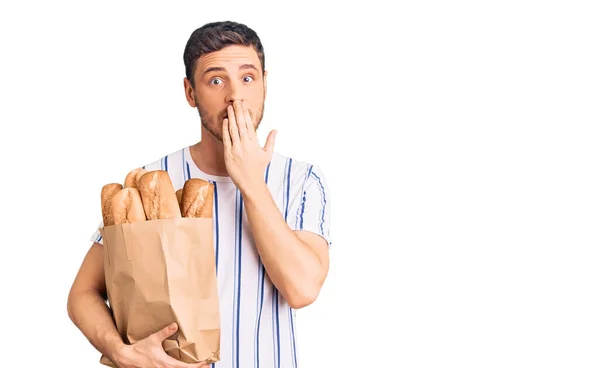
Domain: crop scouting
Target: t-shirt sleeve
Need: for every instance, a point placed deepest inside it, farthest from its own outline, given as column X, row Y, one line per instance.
column 96, row 236
column 311, row 206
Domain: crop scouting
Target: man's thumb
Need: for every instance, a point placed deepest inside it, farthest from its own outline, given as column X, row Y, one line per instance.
column 167, row 331
column 270, row 144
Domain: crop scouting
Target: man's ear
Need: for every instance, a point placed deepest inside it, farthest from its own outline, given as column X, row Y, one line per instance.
column 189, row 92
column 265, row 82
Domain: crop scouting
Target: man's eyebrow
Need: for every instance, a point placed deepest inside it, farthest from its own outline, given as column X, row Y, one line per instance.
column 248, row 66
column 221, row 69
column 214, row 69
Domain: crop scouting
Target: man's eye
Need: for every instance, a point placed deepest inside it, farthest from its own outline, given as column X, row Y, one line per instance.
column 212, row 81
column 248, row 79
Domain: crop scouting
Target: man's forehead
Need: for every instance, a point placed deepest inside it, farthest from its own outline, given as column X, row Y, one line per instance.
column 231, row 56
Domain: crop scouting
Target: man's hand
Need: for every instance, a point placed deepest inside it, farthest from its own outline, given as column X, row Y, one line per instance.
column 245, row 160
column 149, row 353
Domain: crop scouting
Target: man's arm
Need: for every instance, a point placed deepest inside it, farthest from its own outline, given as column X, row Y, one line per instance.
column 87, row 307
column 89, row 312
column 296, row 261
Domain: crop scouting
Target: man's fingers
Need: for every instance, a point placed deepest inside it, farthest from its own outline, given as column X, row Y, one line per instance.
column 166, row 332
column 240, row 119
column 225, row 133
column 195, row 365
column 169, row 361
column 249, row 124
column 233, row 129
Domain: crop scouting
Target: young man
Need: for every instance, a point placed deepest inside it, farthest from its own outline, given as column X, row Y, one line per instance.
column 271, row 217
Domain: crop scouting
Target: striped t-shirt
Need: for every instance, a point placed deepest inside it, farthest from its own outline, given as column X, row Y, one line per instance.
column 258, row 327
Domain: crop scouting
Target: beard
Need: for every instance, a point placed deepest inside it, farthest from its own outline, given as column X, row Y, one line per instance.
column 214, row 123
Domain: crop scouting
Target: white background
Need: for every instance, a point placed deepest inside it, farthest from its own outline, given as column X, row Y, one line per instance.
column 459, row 139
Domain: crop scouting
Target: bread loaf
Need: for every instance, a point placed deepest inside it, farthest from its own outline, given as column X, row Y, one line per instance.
column 158, row 196
column 127, row 206
column 197, row 198
column 108, row 191
column 133, row 177
column 178, row 194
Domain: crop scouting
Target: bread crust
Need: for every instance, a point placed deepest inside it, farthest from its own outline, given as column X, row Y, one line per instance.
column 178, row 194
column 127, row 206
column 138, row 176
column 197, row 198
column 133, row 177
column 107, row 193
column 158, row 196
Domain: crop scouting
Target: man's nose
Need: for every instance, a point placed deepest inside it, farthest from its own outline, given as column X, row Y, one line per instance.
column 234, row 92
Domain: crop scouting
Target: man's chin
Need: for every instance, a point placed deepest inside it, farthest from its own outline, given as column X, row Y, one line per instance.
column 217, row 136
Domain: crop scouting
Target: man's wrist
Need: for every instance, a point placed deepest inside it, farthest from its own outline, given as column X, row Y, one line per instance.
column 255, row 192
column 115, row 349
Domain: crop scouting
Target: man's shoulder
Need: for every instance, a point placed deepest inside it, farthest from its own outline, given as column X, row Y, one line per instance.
column 291, row 163
column 162, row 162
column 297, row 170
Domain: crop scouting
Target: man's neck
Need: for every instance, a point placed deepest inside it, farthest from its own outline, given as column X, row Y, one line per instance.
column 208, row 155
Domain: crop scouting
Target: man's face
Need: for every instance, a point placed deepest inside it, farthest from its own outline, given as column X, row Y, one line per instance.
column 222, row 77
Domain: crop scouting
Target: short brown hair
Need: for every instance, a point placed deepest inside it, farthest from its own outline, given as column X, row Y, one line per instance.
column 214, row 37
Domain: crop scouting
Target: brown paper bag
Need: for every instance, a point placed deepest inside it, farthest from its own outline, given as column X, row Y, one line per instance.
column 163, row 271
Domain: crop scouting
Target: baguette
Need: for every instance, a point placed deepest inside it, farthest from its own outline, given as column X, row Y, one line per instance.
column 133, row 177
column 108, row 191
column 158, row 196
column 178, row 193
column 127, row 206
column 197, row 198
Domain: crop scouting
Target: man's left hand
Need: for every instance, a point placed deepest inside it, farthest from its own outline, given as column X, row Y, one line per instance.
column 245, row 160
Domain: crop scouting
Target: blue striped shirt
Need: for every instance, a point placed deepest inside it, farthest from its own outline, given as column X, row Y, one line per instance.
column 258, row 327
